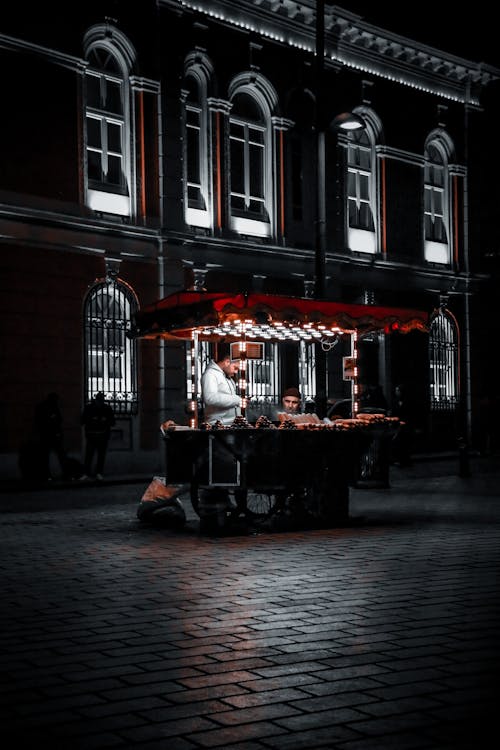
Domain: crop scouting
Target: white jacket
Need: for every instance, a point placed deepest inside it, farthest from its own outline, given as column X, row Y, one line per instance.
column 219, row 395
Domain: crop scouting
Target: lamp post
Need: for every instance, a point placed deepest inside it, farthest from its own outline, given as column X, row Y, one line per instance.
column 343, row 121
column 320, row 233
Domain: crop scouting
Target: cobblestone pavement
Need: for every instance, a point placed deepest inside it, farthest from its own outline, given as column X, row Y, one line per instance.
column 379, row 635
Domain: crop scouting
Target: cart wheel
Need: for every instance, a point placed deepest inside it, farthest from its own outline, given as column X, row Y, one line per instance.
column 195, row 497
column 261, row 503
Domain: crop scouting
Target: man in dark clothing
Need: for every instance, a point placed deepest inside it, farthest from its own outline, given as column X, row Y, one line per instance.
column 48, row 423
column 98, row 419
column 402, row 442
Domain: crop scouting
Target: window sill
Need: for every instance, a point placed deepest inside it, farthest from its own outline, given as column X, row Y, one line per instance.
column 251, row 227
column 108, row 203
column 362, row 241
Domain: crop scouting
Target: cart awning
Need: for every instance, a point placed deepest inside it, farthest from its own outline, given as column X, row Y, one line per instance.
column 272, row 317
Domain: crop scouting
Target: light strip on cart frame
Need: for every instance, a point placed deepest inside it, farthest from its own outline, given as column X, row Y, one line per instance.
column 242, row 382
column 354, row 384
column 193, row 395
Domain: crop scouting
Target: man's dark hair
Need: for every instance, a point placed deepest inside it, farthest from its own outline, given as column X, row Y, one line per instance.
column 223, row 351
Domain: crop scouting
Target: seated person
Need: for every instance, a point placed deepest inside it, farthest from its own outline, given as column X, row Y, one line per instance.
column 292, row 401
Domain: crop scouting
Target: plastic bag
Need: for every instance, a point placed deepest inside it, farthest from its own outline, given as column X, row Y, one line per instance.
column 160, row 504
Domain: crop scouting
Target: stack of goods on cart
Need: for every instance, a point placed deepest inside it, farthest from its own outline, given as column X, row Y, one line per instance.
column 292, row 422
column 264, row 423
column 313, row 422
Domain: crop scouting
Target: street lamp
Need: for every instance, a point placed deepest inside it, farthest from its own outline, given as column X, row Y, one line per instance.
column 347, row 121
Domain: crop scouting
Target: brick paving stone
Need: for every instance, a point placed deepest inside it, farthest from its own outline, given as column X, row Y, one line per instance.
column 276, row 711
column 379, row 635
column 242, row 733
column 320, row 737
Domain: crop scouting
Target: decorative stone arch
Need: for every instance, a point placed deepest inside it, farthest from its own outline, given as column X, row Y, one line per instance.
column 104, row 35
column 257, row 86
column 373, row 123
column 199, row 65
column 442, row 141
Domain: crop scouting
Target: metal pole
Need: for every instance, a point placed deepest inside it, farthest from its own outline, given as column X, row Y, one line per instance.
column 320, row 207
column 468, row 386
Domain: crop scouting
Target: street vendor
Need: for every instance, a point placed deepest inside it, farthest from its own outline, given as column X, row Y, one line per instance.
column 218, row 389
column 222, row 404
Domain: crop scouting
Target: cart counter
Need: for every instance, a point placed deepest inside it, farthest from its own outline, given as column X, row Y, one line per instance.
column 316, row 464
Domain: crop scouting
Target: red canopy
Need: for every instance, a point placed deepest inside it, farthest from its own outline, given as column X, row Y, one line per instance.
column 268, row 316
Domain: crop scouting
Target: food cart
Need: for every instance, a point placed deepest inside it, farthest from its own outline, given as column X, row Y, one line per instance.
column 308, row 461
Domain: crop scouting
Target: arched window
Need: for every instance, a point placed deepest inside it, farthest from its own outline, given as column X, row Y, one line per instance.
column 436, row 199
column 444, row 362
column 197, row 189
column 250, row 162
column 110, row 356
column 362, row 216
column 107, row 123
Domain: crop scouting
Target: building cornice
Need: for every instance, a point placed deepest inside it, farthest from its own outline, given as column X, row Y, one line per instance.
column 351, row 42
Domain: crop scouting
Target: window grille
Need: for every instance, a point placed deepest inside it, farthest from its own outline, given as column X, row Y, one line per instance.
column 444, row 365
column 110, row 356
column 263, row 380
column 307, row 371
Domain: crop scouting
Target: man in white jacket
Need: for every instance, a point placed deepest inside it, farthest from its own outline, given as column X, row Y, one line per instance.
column 218, row 389
column 222, row 404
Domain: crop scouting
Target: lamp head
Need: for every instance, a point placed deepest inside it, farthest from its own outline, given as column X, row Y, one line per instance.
column 347, row 121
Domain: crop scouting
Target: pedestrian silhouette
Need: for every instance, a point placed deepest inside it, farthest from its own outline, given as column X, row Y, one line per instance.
column 373, row 399
column 97, row 419
column 402, row 443
column 48, row 425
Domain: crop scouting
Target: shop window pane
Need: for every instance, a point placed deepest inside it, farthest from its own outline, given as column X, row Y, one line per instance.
column 237, row 167
column 114, row 170
column 114, row 137
column 94, row 139
column 113, row 97
column 364, row 187
column 94, row 166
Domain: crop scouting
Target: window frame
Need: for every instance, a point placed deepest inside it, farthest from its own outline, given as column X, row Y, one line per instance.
column 199, row 212
column 265, row 100
column 106, row 342
column 362, row 236
column 436, row 249
column 109, row 60
column 444, row 362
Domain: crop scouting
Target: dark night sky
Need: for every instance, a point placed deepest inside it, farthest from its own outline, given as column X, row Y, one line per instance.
column 469, row 31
